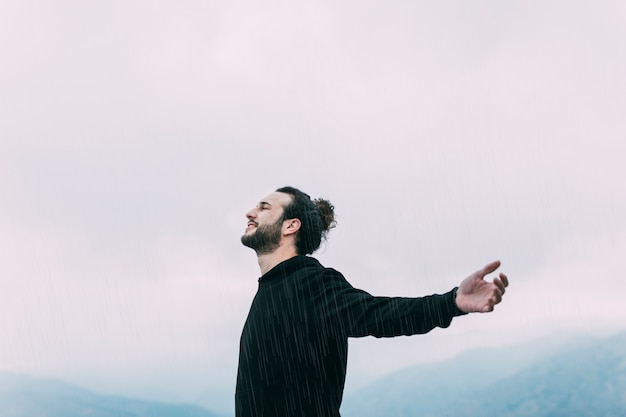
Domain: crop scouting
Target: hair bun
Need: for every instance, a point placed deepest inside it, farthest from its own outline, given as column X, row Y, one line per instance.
column 327, row 213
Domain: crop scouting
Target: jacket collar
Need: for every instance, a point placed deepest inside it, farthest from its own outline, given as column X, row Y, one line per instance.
column 289, row 266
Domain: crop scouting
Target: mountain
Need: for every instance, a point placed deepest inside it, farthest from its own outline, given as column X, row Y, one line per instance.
column 582, row 378
column 22, row 396
column 576, row 378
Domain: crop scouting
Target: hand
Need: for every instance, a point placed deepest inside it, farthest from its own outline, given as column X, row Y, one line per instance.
column 477, row 295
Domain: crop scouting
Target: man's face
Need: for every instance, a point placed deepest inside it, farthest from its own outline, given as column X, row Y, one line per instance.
column 264, row 230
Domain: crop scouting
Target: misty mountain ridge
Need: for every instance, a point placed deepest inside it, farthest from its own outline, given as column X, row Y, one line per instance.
column 584, row 377
column 22, row 396
column 547, row 378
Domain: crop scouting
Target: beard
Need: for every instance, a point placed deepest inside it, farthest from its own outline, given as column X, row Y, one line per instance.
column 265, row 239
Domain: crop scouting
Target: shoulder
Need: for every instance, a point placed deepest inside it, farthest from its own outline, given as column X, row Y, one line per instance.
column 312, row 273
column 322, row 271
column 331, row 280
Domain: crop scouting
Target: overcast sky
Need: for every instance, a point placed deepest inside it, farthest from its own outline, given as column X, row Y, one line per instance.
column 135, row 135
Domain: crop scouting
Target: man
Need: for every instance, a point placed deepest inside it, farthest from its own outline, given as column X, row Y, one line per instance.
column 294, row 344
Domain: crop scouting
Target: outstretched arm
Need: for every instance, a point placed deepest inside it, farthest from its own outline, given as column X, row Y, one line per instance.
column 477, row 295
column 351, row 312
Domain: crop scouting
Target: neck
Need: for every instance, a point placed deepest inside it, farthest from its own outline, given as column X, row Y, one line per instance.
column 268, row 261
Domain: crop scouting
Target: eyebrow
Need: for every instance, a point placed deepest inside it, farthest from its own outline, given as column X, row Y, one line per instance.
column 264, row 203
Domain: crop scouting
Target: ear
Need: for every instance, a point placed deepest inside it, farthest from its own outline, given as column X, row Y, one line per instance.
column 291, row 226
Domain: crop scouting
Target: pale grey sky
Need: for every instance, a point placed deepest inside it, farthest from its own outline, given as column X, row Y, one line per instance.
column 135, row 135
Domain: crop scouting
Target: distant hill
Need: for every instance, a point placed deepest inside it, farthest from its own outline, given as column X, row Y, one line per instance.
column 22, row 396
column 582, row 378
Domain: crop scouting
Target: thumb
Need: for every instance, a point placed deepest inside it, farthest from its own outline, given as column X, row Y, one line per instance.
column 488, row 269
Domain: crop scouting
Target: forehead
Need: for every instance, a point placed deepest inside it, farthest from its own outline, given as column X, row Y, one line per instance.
column 276, row 199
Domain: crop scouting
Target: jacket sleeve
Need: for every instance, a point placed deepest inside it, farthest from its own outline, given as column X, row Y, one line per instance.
column 350, row 312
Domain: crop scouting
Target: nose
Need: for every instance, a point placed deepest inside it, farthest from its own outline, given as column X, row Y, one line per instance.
column 251, row 214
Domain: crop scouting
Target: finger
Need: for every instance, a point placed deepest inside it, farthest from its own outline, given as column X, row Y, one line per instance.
column 489, row 268
column 498, row 296
column 500, row 284
column 504, row 279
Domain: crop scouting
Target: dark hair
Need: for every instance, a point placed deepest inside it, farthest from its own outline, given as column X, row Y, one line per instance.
column 316, row 216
